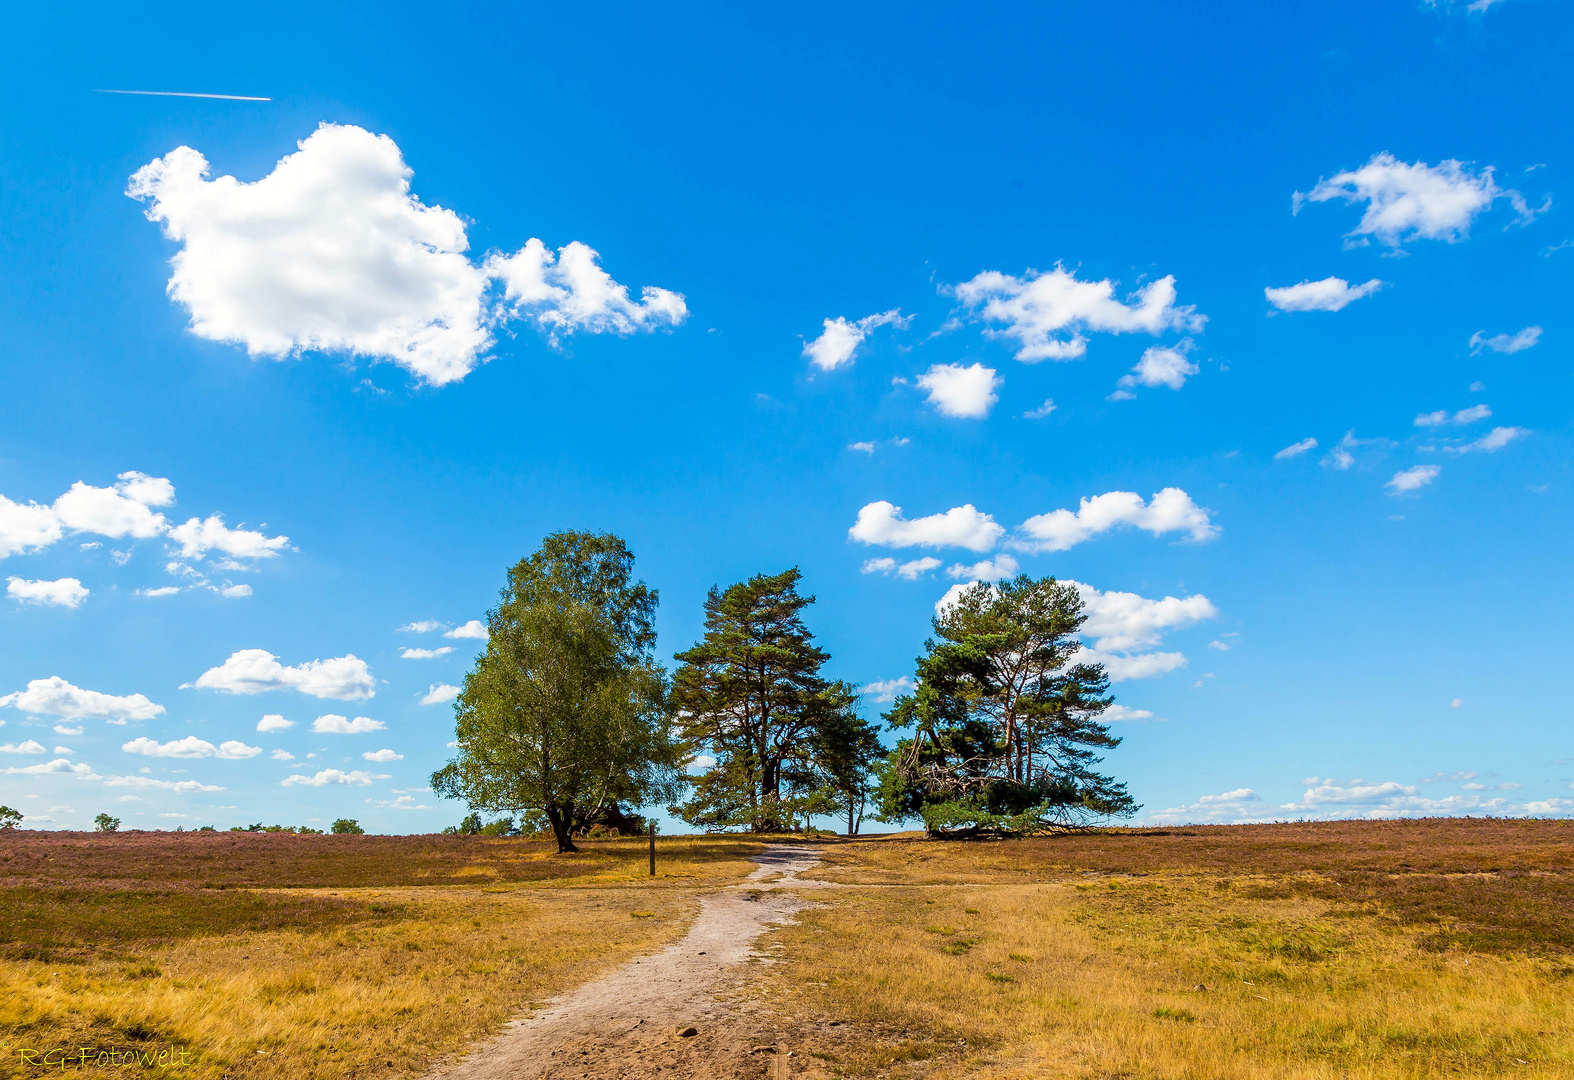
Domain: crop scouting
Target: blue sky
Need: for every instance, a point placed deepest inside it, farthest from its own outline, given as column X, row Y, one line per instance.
column 610, row 298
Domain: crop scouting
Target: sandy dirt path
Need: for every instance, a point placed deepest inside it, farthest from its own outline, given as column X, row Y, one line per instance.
column 630, row 1023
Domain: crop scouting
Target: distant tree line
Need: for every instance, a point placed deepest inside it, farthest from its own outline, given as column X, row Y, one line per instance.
column 567, row 722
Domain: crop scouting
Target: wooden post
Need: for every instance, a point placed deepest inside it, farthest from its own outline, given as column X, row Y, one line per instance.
column 652, row 849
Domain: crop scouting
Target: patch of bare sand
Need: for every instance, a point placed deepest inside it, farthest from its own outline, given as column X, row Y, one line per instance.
column 666, row 1015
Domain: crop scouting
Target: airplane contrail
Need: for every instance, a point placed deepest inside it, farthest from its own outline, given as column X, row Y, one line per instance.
column 177, row 93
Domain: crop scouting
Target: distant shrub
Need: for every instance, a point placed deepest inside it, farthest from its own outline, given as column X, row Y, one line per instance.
column 10, row 818
column 105, row 823
column 347, row 827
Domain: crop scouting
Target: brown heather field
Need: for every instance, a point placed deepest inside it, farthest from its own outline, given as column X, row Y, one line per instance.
column 1302, row 952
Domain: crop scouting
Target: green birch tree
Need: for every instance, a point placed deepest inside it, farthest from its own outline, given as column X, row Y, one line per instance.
column 566, row 712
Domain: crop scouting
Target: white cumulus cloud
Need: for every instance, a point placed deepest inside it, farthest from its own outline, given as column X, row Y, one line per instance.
column 569, row 291
column 1329, row 294
column 274, row 722
column 840, row 339
column 1170, row 510
column 255, row 671
column 66, row 592
column 1117, row 713
column 1296, row 449
column 331, row 251
column 27, row 746
column 125, row 510
column 1120, row 667
column 425, row 654
column 1414, row 201
column 1240, row 805
column 382, row 755
column 475, row 629
column 421, row 626
column 1050, row 315
column 965, row 392
column 328, row 251
column 1122, row 621
column 334, row 724
column 197, row 537
column 881, row 523
column 1330, row 798
column 998, row 568
column 58, row 765
column 56, row 697
column 189, row 747
column 357, row 778
column 235, row 750
column 440, row 693
column 1506, row 343
column 178, row 786
column 26, row 527
column 119, row 511
column 1414, row 478
column 1160, row 366
column 954, row 593
column 882, row 691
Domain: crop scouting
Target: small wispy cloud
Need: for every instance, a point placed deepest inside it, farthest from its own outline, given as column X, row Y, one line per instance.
column 180, row 93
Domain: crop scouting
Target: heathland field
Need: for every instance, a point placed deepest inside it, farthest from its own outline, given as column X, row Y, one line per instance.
column 1376, row 949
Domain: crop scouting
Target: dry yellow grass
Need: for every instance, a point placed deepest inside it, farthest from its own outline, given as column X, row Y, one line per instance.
column 1176, row 973
column 346, row 982
column 385, row 998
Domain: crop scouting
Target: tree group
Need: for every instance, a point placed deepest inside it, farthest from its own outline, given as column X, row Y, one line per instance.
column 568, row 721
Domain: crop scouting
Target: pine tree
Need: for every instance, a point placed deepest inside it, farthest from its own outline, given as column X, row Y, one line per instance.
column 1006, row 728
column 751, row 696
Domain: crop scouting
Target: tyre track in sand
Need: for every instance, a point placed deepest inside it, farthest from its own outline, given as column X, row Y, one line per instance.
column 626, row 1024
